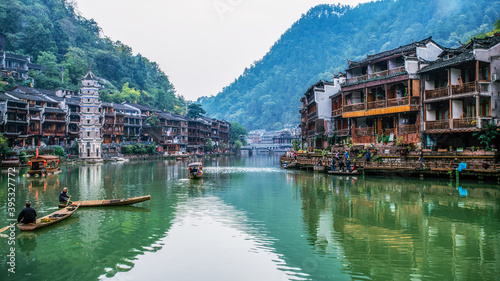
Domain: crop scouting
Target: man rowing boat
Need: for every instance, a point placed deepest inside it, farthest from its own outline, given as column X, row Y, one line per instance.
column 64, row 197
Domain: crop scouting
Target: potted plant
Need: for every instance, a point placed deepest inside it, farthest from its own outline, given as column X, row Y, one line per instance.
column 451, row 148
column 460, row 149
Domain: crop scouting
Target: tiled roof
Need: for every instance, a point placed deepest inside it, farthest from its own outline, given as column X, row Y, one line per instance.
column 461, row 54
column 73, row 101
column 401, row 49
column 140, row 106
column 170, row 116
column 29, row 97
column 14, row 56
column 89, row 76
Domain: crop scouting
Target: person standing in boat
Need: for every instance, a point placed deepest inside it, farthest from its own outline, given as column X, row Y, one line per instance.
column 64, row 197
column 27, row 215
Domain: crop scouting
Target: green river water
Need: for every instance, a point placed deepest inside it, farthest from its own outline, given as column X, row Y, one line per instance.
column 247, row 219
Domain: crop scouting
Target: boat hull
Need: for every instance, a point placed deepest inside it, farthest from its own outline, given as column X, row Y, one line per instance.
column 53, row 218
column 110, row 202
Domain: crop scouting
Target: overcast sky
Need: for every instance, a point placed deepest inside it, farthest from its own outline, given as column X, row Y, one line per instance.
column 202, row 45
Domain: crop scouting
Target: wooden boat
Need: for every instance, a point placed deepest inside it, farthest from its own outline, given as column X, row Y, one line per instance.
column 353, row 173
column 49, row 219
column 44, row 165
column 110, row 202
column 11, row 160
column 195, row 170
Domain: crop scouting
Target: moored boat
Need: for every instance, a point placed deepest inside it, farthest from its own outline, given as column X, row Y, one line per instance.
column 49, row 219
column 195, row 170
column 110, row 202
column 11, row 160
column 353, row 173
column 44, row 165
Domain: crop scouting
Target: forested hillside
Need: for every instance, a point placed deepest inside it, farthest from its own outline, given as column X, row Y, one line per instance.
column 67, row 44
column 267, row 94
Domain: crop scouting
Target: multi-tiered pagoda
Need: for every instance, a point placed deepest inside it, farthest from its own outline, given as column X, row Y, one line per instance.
column 89, row 143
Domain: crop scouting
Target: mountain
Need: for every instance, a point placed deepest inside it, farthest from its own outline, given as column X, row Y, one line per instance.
column 319, row 44
column 65, row 44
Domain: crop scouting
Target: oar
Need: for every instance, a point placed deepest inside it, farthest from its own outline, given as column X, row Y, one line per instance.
column 68, row 201
column 5, row 228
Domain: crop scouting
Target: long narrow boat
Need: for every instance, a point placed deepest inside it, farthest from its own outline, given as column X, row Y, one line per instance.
column 110, row 202
column 49, row 219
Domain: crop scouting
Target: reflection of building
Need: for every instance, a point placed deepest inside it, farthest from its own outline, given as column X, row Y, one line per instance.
column 387, row 227
column 89, row 143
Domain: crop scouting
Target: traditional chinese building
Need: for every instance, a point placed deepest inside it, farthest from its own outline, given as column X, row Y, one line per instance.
column 461, row 93
column 381, row 95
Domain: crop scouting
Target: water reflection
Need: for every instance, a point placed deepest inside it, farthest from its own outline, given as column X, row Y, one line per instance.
column 207, row 235
column 248, row 219
column 405, row 228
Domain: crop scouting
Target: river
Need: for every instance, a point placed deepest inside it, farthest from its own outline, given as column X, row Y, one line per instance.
column 247, row 219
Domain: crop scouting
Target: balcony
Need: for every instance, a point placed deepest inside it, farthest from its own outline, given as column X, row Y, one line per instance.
column 466, row 88
column 354, row 107
column 465, row 123
column 342, row 133
column 336, row 112
column 437, row 125
column 55, row 119
column 408, row 129
column 379, row 107
column 54, row 132
column 374, row 75
column 436, row 93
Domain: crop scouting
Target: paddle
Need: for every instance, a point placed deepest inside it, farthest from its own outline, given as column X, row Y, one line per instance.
column 68, row 200
column 4, row 229
column 7, row 227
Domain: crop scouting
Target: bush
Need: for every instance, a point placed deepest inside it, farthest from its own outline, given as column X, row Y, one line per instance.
column 59, row 151
column 128, row 149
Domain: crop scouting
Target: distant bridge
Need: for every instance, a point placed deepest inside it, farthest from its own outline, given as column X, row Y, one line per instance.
column 265, row 148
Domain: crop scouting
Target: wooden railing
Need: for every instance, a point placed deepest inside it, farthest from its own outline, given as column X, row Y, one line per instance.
column 378, row 74
column 366, row 131
column 354, row 107
column 376, row 104
column 436, row 93
column 464, row 123
column 437, row 125
column 382, row 73
column 337, row 112
column 407, row 129
column 397, row 70
column 470, row 87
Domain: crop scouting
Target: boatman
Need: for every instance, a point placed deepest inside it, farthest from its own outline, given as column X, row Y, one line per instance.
column 64, row 197
column 27, row 215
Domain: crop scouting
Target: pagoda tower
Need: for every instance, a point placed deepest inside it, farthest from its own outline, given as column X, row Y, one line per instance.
column 89, row 143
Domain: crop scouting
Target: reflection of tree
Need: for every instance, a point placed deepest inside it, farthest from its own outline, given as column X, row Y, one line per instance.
column 388, row 228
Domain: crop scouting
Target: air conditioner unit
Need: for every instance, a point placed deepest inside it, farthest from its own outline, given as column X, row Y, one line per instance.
column 495, row 77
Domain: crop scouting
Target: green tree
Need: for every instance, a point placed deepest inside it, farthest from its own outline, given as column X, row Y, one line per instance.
column 59, row 151
column 195, row 110
column 237, row 145
column 210, row 144
column 238, row 132
column 4, row 145
column 487, row 135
